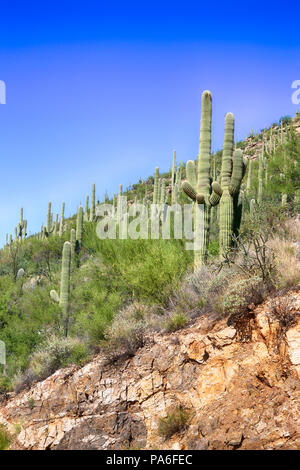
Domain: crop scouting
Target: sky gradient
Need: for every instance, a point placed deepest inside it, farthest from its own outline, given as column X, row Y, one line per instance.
column 104, row 94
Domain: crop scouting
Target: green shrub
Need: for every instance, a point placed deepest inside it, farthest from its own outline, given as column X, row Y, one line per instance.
column 175, row 421
column 5, row 438
column 55, row 353
column 241, row 293
column 126, row 334
column 176, row 321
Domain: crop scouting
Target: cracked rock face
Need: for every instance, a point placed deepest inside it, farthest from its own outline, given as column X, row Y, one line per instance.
column 239, row 395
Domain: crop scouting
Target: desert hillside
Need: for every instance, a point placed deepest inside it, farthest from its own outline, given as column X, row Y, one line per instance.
column 115, row 338
column 238, row 386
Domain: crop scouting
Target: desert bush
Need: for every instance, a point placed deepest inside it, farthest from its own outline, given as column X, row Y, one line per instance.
column 23, row 380
column 55, row 353
column 175, row 421
column 241, row 293
column 286, row 263
column 285, row 311
column 5, row 384
column 126, row 333
column 176, row 321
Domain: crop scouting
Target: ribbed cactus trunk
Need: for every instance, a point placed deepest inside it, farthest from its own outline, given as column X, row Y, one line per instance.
column 93, row 202
column 49, row 222
column 260, row 176
column 226, row 202
column 198, row 186
column 163, row 191
column 62, row 220
column 79, row 225
column 65, row 284
column 232, row 172
column 249, row 178
column 86, row 212
column 203, row 180
column 73, row 243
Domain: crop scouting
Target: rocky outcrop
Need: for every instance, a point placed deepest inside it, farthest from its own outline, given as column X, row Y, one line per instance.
column 239, row 383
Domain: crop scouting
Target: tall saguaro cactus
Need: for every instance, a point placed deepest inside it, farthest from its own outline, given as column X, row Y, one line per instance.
column 198, row 185
column 93, row 205
column 86, row 212
column 232, row 172
column 79, row 225
column 64, row 298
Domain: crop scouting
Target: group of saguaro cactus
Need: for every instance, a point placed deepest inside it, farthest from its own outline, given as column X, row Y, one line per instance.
column 206, row 193
column 271, row 139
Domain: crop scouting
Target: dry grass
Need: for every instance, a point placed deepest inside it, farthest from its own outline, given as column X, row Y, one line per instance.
column 286, row 262
column 175, row 421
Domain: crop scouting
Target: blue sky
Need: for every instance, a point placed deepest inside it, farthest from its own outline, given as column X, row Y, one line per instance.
column 103, row 93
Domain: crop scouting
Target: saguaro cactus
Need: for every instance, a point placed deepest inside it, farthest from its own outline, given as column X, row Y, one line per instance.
column 49, row 225
column 86, row 212
column 249, row 178
column 93, row 206
column 64, row 297
column 232, row 172
column 61, row 225
column 260, row 176
column 22, row 226
column 198, row 186
column 163, row 191
column 79, row 225
column 73, row 242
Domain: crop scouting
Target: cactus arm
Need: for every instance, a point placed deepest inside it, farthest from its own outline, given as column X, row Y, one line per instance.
column 191, row 193
column 216, row 194
column 237, row 172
